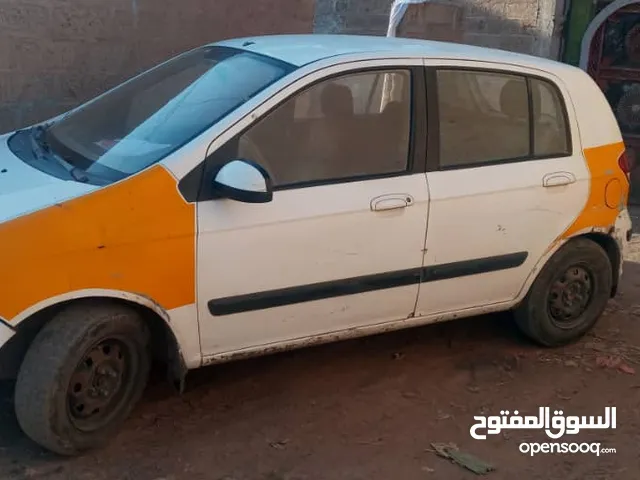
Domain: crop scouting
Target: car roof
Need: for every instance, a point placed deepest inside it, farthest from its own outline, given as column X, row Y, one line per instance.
column 304, row 49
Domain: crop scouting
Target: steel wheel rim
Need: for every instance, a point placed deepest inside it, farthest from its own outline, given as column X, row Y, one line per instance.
column 100, row 384
column 569, row 296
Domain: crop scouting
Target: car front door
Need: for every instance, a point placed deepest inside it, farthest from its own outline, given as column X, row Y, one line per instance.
column 507, row 180
column 340, row 245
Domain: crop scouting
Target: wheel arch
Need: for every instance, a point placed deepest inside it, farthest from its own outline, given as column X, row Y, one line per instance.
column 605, row 240
column 612, row 249
column 166, row 347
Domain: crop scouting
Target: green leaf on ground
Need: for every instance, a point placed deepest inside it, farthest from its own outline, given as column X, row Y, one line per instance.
column 472, row 463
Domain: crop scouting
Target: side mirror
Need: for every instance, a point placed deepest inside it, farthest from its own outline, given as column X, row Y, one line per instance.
column 244, row 181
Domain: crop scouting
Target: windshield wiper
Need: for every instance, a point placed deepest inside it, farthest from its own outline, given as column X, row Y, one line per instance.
column 42, row 150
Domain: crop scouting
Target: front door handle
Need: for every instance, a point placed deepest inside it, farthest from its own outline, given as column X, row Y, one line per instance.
column 558, row 179
column 391, row 202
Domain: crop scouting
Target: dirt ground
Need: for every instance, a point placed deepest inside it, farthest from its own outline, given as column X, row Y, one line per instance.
column 371, row 408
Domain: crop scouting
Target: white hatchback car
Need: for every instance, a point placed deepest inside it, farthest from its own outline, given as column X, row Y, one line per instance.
column 273, row 192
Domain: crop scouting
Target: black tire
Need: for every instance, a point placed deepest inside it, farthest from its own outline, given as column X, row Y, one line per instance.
column 84, row 343
column 539, row 315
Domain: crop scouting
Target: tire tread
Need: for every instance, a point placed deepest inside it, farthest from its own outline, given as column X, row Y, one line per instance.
column 39, row 381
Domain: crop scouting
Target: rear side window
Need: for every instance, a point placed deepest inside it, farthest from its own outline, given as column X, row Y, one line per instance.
column 489, row 117
column 484, row 117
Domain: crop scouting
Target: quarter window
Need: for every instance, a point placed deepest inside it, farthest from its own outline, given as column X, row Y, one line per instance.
column 352, row 126
column 485, row 118
column 550, row 123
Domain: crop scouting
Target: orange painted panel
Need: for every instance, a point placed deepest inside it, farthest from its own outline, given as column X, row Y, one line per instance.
column 135, row 236
column 603, row 167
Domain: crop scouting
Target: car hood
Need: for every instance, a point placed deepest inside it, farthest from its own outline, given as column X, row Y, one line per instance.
column 24, row 189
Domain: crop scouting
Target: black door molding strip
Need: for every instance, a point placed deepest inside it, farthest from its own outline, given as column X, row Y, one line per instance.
column 367, row 283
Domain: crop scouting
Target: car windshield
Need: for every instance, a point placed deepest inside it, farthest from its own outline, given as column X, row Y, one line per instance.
column 143, row 120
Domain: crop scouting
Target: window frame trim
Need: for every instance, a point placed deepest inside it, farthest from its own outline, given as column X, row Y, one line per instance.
column 433, row 110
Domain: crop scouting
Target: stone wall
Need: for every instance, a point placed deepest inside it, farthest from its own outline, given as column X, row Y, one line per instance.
column 525, row 26
column 54, row 54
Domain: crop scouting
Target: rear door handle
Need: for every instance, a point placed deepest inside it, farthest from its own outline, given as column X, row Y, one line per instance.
column 391, row 202
column 558, row 179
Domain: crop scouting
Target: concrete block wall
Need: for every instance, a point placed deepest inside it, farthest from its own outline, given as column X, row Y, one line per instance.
column 436, row 21
column 54, row 54
column 525, row 26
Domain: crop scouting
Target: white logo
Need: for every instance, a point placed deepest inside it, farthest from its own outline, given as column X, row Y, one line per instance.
column 555, row 447
column 561, row 424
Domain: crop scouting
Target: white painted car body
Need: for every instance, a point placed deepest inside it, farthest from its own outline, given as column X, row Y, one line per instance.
column 24, row 189
column 321, row 236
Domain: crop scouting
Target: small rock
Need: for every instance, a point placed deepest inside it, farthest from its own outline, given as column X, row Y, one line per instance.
column 443, row 416
column 427, row 469
column 597, row 346
column 410, row 395
column 279, row 445
column 571, row 363
column 608, row 361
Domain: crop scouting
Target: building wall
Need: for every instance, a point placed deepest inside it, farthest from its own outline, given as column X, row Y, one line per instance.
column 56, row 54
column 525, row 26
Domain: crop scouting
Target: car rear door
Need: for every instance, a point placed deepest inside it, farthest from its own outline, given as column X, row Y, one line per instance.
column 340, row 245
column 506, row 178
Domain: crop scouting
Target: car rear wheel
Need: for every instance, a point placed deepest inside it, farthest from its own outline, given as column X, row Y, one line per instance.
column 82, row 376
column 569, row 295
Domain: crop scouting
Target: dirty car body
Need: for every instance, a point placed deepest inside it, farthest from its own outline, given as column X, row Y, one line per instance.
column 273, row 192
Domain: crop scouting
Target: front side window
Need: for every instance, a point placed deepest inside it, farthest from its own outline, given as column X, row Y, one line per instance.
column 486, row 118
column 145, row 119
column 352, row 126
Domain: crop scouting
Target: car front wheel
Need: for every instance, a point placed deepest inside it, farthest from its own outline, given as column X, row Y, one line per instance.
column 569, row 295
column 82, row 376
